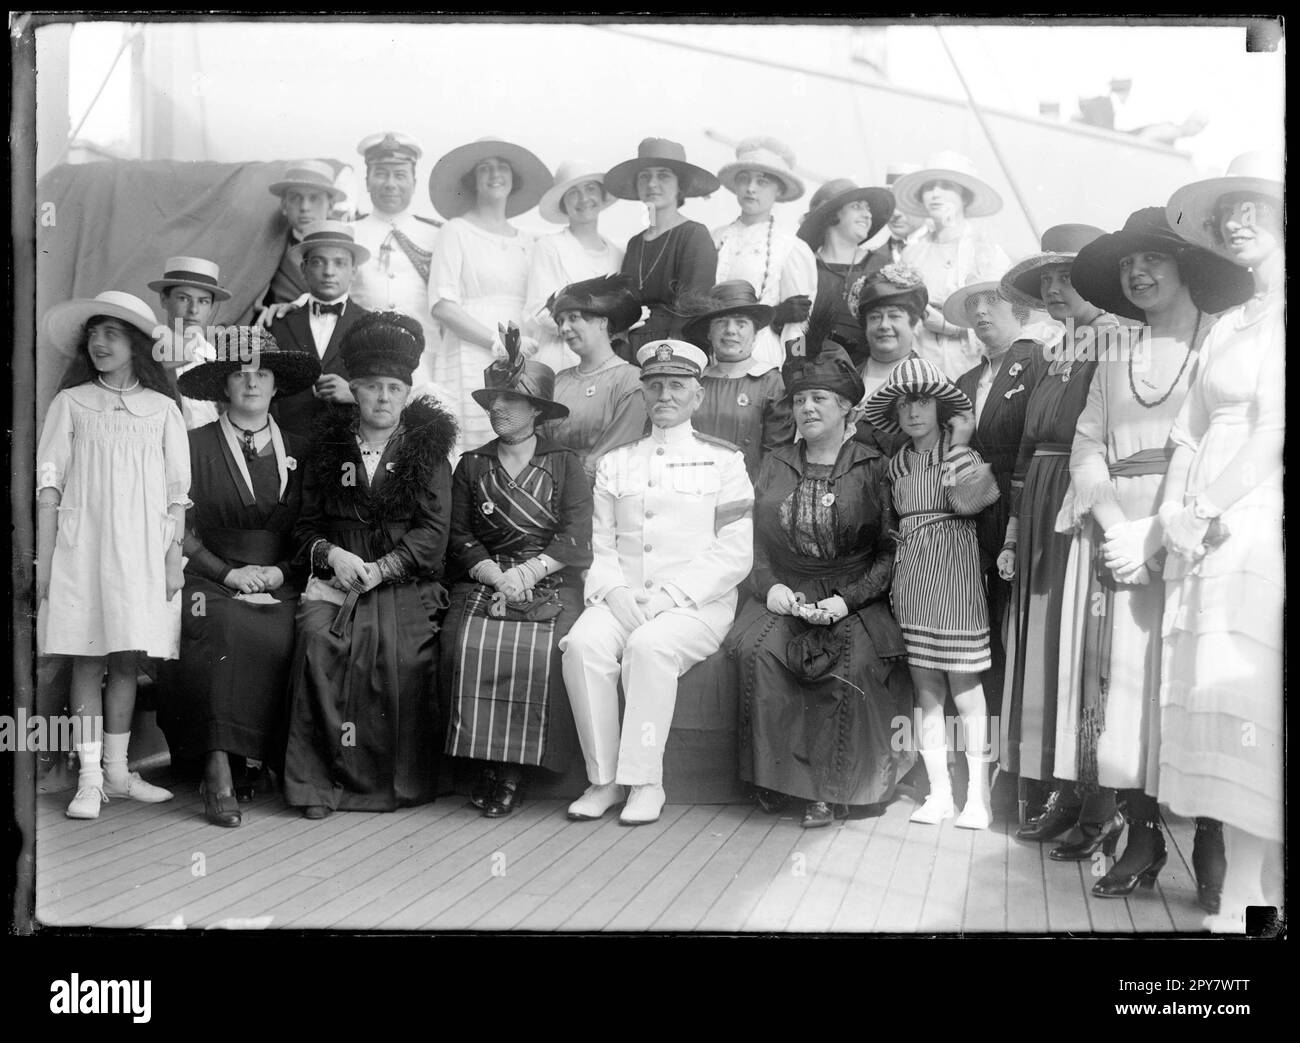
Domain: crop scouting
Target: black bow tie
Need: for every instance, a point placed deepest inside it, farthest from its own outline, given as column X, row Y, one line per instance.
column 320, row 308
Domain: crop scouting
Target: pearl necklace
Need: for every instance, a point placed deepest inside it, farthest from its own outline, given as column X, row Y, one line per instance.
column 120, row 391
column 767, row 256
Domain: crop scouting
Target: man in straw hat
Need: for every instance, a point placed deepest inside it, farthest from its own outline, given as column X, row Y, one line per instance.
column 306, row 193
column 400, row 241
column 327, row 257
column 672, row 537
column 776, row 263
column 189, row 291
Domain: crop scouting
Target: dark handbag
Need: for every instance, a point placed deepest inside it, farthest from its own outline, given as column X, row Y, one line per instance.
column 813, row 654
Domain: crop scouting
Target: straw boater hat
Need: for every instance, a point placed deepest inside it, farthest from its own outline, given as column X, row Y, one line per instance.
column 309, row 173
column 607, row 295
column 981, row 199
column 451, row 182
column 65, row 322
column 659, row 152
column 769, row 156
column 389, row 146
column 383, row 344
column 826, row 369
column 192, row 271
column 954, row 308
column 328, row 233
column 294, row 370
column 571, row 173
column 828, row 199
column 517, row 375
column 671, row 358
column 1060, row 245
column 1190, row 210
column 912, row 377
column 734, row 297
column 893, row 284
column 1215, row 283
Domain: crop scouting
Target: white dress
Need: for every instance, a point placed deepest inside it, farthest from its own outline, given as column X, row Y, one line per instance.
column 487, row 275
column 118, row 463
column 776, row 263
column 558, row 260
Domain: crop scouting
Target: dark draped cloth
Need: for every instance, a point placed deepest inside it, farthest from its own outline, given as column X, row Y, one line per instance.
column 506, row 695
column 365, row 720
column 227, row 689
column 819, row 703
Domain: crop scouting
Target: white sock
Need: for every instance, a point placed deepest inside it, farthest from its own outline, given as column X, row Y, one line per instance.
column 977, row 786
column 115, row 747
column 91, row 773
column 936, row 770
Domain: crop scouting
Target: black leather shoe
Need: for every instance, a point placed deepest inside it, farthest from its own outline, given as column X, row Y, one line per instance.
column 817, row 814
column 507, row 796
column 770, row 801
column 1208, row 863
column 1056, row 818
column 248, row 785
column 1095, row 838
column 221, row 809
column 482, row 793
column 1140, row 864
column 317, row 811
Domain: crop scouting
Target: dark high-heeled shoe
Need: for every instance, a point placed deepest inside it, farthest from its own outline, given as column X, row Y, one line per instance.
column 818, row 813
column 771, row 801
column 481, row 795
column 248, row 784
column 221, row 809
column 1056, row 818
column 1209, row 863
column 1103, row 837
column 1147, row 845
column 507, row 796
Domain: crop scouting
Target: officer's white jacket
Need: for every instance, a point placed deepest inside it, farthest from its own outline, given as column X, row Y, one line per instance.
column 674, row 511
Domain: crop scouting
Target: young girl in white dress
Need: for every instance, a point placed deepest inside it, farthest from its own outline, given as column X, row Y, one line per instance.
column 112, row 484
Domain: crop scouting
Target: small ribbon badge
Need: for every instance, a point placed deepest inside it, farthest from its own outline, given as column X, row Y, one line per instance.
column 1014, row 391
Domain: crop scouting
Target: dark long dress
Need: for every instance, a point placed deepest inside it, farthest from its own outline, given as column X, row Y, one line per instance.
column 751, row 412
column 830, row 311
column 822, row 729
column 1033, row 622
column 503, row 676
column 681, row 260
column 997, row 440
column 365, row 724
column 226, row 692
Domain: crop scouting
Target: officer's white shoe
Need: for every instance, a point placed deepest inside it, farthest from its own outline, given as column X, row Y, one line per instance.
column 644, row 804
column 596, row 801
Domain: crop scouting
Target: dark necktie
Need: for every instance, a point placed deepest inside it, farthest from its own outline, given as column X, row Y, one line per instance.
column 250, row 451
column 320, row 308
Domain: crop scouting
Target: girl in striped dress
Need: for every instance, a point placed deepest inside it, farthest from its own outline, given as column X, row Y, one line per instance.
column 938, row 596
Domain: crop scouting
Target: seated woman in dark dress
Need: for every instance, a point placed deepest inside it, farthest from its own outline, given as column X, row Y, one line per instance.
column 365, row 727
column 520, row 540
column 821, row 659
column 225, row 695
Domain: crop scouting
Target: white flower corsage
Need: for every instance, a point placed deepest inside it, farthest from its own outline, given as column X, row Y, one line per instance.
column 390, row 467
column 645, row 315
column 290, row 464
column 1016, row 370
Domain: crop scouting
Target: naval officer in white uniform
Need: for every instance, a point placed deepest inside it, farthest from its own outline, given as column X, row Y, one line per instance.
column 672, row 537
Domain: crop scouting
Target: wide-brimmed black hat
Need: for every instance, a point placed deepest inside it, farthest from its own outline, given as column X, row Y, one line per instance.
column 1214, row 282
column 517, row 375
column 734, row 297
column 828, row 199
column 893, row 284
column 383, row 344
column 620, row 180
column 249, row 347
column 607, row 295
column 826, row 368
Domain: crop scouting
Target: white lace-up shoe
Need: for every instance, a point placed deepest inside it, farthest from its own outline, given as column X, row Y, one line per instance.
column 137, row 789
column 596, row 801
column 643, row 806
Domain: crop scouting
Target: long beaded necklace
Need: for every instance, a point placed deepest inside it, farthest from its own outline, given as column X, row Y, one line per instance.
column 767, row 255
column 642, row 276
column 1186, row 359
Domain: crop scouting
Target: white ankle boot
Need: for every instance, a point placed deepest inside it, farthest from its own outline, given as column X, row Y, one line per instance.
column 976, row 813
column 938, row 805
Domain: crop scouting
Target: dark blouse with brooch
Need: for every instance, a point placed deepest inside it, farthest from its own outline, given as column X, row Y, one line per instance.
column 818, row 701
column 682, row 260
column 750, row 412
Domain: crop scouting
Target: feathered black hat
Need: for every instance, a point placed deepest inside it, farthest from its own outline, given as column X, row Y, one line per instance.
column 607, row 295
column 252, row 347
column 383, row 344
column 517, row 375
column 826, row 367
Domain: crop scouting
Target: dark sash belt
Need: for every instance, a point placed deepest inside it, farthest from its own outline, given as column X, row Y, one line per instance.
column 1146, row 461
column 251, row 546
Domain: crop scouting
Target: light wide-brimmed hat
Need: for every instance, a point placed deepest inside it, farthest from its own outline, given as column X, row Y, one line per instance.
column 518, row 375
column 607, row 295
column 294, row 370
column 65, row 322
column 1060, row 245
column 390, row 146
column 981, row 200
column 828, row 199
column 530, row 177
column 770, row 156
column 192, row 271
column 310, row 174
column 1191, row 210
column 328, row 233
column 893, row 284
column 659, row 152
column 671, row 358
column 954, row 307
column 570, row 174
column 893, row 171
column 1214, row 282
column 912, row 377
column 734, row 297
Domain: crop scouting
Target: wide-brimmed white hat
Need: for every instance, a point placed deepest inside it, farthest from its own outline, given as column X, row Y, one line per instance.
column 530, row 177
column 954, row 308
column 192, row 271
column 329, row 233
column 947, row 166
column 309, row 174
column 1060, row 245
column 64, row 322
column 1191, row 209
column 771, row 157
column 569, row 174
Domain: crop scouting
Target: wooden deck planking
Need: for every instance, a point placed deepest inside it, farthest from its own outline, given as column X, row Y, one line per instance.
column 1177, row 883
column 1026, row 902
column 866, row 890
column 905, row 893
column 825, row 893
column 737, row 899
column 1067, row 909
column 944, row 902
column 783, row 895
